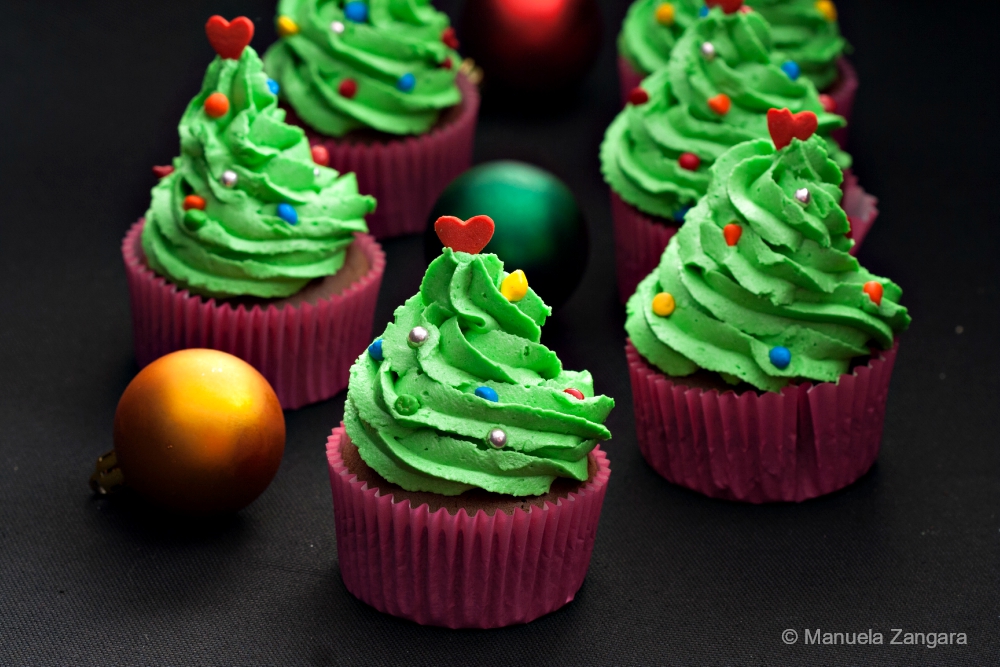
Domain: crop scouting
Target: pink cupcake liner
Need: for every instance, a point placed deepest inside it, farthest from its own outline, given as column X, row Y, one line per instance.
column 807, row 441
column 406, row 175
column 457, row 571
column 304, row 351
column 641, row 239
column 628, row 77
column 843, row 92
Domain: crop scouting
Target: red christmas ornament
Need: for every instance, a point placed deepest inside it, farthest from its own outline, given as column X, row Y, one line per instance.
column 575, row 393
column 638, row 96
column 532, row 45
column 874, row 290
column 194, row 201
column 785, row 126
column 348, row 88
column 469, row 236
column 829, row 104
column 732, row 232
column 320, row 155
column 689, row 161
column 229, row 38
column 164, row 170
column 720, row 104
column 728, row 6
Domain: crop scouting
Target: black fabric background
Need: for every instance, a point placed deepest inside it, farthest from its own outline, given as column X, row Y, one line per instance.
column 92, row 91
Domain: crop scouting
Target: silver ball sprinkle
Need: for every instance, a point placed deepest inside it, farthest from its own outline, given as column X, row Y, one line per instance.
column 498, row 438
column 708, row 50
column 803, row 195
column 229, row 178
column 315, row 172
column 337, row 27
column 418, row 336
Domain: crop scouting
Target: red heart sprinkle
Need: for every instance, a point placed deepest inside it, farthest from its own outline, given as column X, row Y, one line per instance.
column 229, row 38
column 469, row 236
column 874, row 291
column 732, row 232
column 785, row 126
column 320, row 155
column 164, row 170
column 450, row 39
column 575, row 393
column 720, row 104
column 728, row 6
column 638, row 96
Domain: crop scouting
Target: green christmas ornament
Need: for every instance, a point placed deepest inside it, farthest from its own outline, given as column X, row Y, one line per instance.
column 539, row 227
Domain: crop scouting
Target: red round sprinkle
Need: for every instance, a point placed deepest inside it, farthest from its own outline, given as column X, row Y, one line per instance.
column 449, row 38
column 194, row 201
column 850, row 232
column 575, row 393
column 874, row 290
column 829, row 104
column 162, row 171
column 720, row 104
column 320, row 155
column 217, row 105
column 348, row 88
column 732, row 232
column 638, row 96
column 447, row 63
column 689, row 161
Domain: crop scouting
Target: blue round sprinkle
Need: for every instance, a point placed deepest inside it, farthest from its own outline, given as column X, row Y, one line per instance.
column 273, row 86
column 679, row 215
column 488, row 393
column 287, row 213
column 703, row 12
column 791, row 68
column 356, row 11
column 375, row 350
column 406, row 82
column 780, row 356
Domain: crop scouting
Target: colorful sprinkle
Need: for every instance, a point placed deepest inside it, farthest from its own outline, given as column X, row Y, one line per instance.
column 638, row 96
column 288, row 213
column 575, row 393
column 375, row 350
column 193, row 201
column 229, row 178
column 780, row 356
column 447, row 63
column 728, row 6
column 720, row 104
column 703, row 12
column 708, row 50
column 689, row 161
column 827, row 9
column 498, row 438
column 338, row 27
column 680, row 213
column 407, row 82
column 195, row 219
column 803, row 195
column 488, row 393
column 732, row 232
column 320, row 155
column 356, row 11
column 792, row 69
column 162, row 171
column 407, row 404
column 217, row 105
column 348, row 88
column 874, row 291
column 418, row 336
column 664, row 304
column 287, row 27
column 665, row 14
column 450, row 39
column 829, row 104
column 515, row 286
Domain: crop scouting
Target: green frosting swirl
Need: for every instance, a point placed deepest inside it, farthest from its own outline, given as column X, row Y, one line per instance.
column 800, row 31
column 639, row 155
column 401, row 37
column 238, row 245
column 789, row 281
column 416, row 419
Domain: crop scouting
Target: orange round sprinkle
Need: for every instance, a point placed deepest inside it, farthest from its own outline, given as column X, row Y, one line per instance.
column 194, row 201
column 874, row 291
column 217, row 105
column 664, row 304
column 732, row 232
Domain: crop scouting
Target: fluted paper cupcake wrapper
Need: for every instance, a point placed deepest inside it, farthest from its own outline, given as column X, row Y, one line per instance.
column 842, row 92
column 458, row 571
column 807, row 441
column 640, row 239
column 406, row 175
column 304, row 351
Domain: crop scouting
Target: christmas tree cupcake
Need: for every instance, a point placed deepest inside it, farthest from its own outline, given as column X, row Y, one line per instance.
column 760, row 351
column 467, row 478
column 376, row 84
column 807, row 42
column 248, row 245
column 714, row 93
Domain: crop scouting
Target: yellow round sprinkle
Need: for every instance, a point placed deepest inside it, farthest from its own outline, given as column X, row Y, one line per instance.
column 827, row 9
column 665, row 14
column 287, row 27
column 515, row 286
column 663, row 304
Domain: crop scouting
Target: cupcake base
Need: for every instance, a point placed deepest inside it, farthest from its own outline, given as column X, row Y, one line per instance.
column 304, row 345
column 424, row 558
column 758, row 447
column 640, row 239
column 406, row 175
